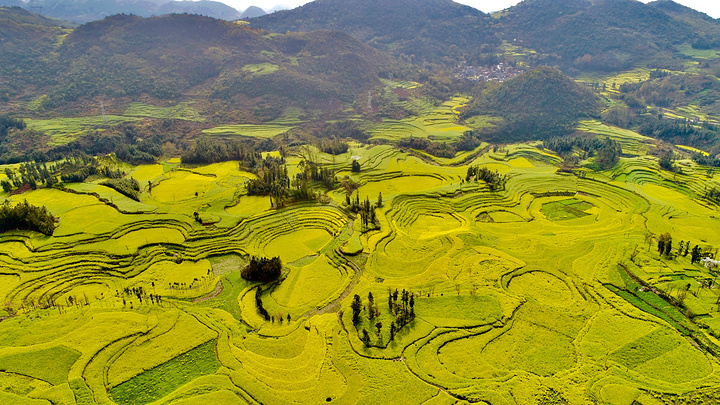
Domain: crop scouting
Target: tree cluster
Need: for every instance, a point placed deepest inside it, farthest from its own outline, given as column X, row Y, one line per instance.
column 262, row 269
column 366, row 209
column 404, row 311
column 7, row 123
column 24, row 216
column 208, row 150
column 126, row 186
column 493, row 179
column 272, row 181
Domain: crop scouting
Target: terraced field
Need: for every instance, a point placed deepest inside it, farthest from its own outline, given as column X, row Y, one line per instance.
column 551, row 290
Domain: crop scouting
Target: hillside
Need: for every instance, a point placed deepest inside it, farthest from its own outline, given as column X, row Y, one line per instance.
column 26, row 41
column 538, row 104
column 604, row 35
column 174, row 57
column 431, row 31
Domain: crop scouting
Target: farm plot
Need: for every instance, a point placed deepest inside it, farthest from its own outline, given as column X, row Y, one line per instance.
column 549, row 289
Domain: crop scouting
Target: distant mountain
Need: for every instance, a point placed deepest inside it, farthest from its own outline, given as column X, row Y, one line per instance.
column 183, row 56
column 82, row 11
column 253, row 12
column 11, row 3
column 596, row 35
column 708, row 28
column 213, row 9
column 422, row 30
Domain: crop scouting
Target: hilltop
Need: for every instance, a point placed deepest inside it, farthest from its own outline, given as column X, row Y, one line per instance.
column 538, row 104
column 430, row 31
column 604, row 35
column 171, row 58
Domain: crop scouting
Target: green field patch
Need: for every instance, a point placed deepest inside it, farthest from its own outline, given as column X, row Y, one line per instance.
column 249, row 130
column 51, row 365
column 167, row 377
column 175, row 333
column 651, row 346
column 689, row 51
column 565, row 209
column 682, row 364
column 65, row 130
column 260, row 69
column 543, row 287
column 181, row 111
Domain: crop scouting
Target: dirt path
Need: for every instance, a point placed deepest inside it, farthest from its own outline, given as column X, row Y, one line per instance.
column 218, row 289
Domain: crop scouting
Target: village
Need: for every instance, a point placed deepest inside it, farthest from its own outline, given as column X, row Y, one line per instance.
column 494, row 73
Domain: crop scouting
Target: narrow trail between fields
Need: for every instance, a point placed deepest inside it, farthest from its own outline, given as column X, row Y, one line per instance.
column 217, row 291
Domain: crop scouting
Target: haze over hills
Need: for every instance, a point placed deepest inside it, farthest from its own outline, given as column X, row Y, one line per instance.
column 81, row 11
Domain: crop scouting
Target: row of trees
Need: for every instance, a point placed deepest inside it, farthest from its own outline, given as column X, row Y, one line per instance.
column 665, row 247
column 73, row 169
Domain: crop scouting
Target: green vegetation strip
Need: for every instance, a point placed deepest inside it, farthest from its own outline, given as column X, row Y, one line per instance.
column 51, row 365
column 166, row 378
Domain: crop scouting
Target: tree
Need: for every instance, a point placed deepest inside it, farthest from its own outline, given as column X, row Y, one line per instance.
column 366, row 338
column 695, row 257
column 393, row 329
column 668, row 247
column 7, row 187
column 355, row 166
column 378, row 325
column 379, row 200
column 663, row 241
column 356, row 308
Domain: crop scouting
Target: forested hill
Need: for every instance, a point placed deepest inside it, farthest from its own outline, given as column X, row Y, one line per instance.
column 587, row 35
column 428, row 30
column 166, row 58
column 539, row 104
column 604, row 35
column 26, row 41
